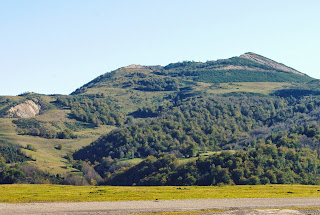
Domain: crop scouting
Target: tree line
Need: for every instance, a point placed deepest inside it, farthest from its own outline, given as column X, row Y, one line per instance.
column 34, row 127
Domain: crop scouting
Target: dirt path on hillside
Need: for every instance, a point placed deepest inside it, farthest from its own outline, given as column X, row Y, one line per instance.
column 235, row 206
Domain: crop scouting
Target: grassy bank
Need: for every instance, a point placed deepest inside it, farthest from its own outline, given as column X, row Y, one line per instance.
column 46, row 156
column 54, row 193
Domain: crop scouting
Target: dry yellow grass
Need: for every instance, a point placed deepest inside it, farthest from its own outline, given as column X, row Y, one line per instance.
column 55, row 193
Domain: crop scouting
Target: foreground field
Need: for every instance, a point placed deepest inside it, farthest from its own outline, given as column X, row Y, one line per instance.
column 55, row 193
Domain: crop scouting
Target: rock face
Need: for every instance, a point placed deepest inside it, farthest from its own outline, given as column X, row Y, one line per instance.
column 24, row 110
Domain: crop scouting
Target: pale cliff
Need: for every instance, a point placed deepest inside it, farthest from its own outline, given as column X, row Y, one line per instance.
column 24, row 110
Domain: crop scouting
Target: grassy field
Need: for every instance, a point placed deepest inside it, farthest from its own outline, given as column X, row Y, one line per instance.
column 55, row 193
column 46, row 156
column 249, row 87
column 129, row 99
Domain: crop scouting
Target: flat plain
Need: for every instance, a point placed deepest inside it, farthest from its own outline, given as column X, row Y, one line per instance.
column 19, row 193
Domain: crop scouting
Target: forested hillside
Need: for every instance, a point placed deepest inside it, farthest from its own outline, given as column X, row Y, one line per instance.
column 243, row 120
column 263, row 164
column 197, row 126
column 203, row 124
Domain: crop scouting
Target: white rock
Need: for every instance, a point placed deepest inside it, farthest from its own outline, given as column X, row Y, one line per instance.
column 24, row 110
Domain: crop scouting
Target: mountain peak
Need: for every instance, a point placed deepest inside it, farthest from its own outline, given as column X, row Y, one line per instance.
column 134, row 66
column 268, row 62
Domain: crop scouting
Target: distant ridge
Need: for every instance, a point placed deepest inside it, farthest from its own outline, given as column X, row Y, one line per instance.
column 248, row 67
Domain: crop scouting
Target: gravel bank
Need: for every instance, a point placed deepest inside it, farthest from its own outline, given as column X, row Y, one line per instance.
column 235, row 206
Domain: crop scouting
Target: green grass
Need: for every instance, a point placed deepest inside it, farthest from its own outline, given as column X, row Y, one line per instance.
column 47, row 157
column 248, row 87
column 183, row 161
column 55, row 193
column 130, row 99
column 133, row 161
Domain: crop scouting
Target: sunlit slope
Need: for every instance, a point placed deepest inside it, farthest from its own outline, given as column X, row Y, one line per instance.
column 138, row 86
column 51, row 154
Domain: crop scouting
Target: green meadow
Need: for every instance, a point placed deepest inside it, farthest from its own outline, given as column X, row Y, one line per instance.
column 20, row 193
column 46, row 156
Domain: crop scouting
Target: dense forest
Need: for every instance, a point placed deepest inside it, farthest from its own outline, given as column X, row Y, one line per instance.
column 92, row 110
column 208, row 124
column 264, row 164
column 250, row 126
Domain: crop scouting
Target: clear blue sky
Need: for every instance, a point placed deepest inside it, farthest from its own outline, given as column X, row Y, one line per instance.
column 57, row 46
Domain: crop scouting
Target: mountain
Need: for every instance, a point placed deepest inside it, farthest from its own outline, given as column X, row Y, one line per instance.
column 242, row 120
column 248, row 67
column 251, row 65
column 249, row 73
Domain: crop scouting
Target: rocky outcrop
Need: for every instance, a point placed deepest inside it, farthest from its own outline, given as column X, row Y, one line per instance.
column 24, row 110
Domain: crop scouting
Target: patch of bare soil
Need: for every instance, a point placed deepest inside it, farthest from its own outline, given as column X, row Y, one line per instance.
column 270, row 211
column 230, row 206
